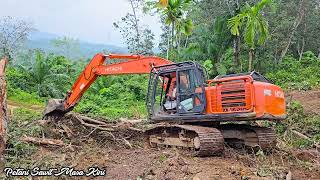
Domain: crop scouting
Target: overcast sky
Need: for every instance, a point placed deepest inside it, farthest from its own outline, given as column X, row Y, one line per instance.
column 88, row 20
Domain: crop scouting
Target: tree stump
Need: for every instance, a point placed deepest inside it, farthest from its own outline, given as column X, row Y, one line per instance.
column 3, row 107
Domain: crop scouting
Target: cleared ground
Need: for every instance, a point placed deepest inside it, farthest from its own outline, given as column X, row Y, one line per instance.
column 124, row 155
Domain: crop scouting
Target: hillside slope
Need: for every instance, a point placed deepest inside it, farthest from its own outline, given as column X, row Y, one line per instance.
column 42, row 40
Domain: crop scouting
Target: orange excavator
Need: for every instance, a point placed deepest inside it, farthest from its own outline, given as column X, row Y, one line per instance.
column 188, row 110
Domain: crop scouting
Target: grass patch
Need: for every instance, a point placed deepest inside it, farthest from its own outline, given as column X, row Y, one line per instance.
column 25, row 98
column 22, row 123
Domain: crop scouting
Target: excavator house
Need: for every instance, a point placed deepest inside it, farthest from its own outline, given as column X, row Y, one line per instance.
column 188, row 110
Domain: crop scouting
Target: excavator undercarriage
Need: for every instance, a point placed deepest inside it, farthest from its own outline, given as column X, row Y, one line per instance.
column 208, row 141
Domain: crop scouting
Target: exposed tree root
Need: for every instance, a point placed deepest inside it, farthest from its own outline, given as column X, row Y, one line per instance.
column 100, row 127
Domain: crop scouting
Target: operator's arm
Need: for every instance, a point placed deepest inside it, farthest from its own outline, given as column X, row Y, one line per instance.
column 135, row 65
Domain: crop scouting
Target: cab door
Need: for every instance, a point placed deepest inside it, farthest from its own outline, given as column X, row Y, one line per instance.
column 191, row 97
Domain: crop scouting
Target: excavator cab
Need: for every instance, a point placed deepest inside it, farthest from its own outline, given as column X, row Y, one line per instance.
column 176, row 90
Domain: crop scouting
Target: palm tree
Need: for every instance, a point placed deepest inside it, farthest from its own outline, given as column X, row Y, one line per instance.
column 256, row 27
column 46, row 78
column 173, row 11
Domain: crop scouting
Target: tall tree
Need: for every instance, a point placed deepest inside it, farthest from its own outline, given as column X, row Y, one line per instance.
column 174, row 13
column 256, row 27
column 236, row 39
column 138, row 37
column 297, row 22
column 13, row 33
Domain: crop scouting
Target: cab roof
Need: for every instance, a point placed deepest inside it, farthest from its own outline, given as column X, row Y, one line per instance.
column 255, row 76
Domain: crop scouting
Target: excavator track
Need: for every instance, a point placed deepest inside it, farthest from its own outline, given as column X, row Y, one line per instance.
column 251, row 136
column 266, row 137
column 204, row 141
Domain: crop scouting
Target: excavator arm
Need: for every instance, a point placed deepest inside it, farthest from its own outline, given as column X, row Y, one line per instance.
column 135, row 64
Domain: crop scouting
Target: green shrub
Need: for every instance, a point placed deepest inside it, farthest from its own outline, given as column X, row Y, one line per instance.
column 294, row 74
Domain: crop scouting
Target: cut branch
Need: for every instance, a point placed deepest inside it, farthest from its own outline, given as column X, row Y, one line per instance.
column 92, row 125
column 42, row 141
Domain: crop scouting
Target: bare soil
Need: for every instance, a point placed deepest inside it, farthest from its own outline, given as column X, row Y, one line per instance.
column 310, row 100
column 123, row 154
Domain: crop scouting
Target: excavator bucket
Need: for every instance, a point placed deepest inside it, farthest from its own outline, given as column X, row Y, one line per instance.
column 55, row 108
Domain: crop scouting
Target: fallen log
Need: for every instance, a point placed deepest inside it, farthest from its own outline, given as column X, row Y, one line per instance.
column 42, row 141
column 135, row 129
column 88, row 119
column 132, row 121
column 300, row 135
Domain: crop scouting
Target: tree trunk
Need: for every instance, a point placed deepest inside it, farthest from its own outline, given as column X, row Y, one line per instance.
column 136, row 23
column 186, row 43
column 297, row 22
column 168, row 43
column 236, row 39
column 300, row 51
column 172, row 35
column 178, row 38
column 236, row 51
column 3, row 109
column 251, row 54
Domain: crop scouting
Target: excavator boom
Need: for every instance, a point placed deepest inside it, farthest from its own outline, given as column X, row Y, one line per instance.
column 135, row 64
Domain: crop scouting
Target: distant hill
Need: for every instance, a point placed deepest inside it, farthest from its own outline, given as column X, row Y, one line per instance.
column 42, row 40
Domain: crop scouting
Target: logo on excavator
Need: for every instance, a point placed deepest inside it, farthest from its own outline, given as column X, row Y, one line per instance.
column 119, row 68
column 279, row 94
column 267, row 92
